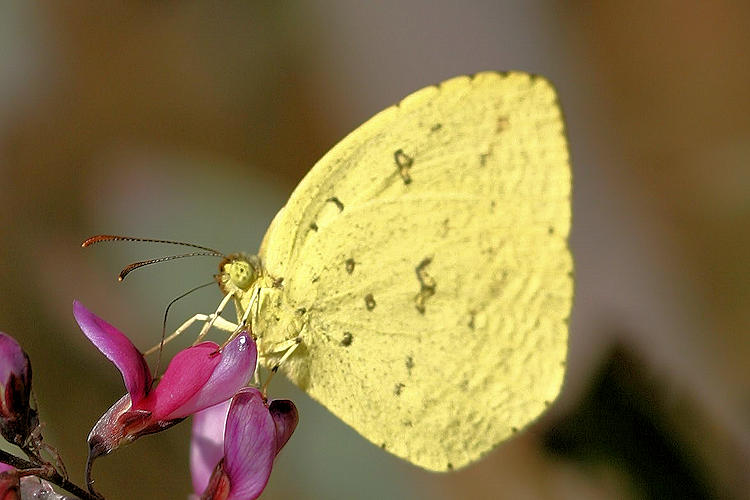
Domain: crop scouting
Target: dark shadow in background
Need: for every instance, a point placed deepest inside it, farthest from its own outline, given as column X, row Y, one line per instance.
column 621, row 423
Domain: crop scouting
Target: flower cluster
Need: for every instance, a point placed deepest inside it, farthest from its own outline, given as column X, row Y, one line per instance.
column 237, row 432
column 201, row 380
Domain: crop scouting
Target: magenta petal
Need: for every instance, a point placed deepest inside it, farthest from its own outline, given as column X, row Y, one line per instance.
column 207, row 443
column 186, row 374
column 249, row 444
column 233, row 371
column 285, row 417
column 118, row 349
column 13, row 361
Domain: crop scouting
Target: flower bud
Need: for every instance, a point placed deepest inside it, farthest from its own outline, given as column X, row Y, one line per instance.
column 17, row 418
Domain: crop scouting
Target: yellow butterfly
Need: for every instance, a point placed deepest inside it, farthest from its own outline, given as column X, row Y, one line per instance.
column 418, row 281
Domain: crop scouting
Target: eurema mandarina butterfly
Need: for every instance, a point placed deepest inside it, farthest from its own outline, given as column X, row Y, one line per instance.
column 420, row 271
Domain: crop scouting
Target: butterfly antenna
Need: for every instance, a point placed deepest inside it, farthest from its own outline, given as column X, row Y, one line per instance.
column 136, row 265
column 210, row 252
column 114, row 237
column 164, row 323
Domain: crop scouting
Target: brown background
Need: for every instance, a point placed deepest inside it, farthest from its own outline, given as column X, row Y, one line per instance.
column 194, row 121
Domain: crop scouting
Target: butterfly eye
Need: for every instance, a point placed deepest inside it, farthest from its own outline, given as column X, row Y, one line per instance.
column 241, row 273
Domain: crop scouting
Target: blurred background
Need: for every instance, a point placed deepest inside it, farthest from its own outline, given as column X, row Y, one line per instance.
column 194, row 121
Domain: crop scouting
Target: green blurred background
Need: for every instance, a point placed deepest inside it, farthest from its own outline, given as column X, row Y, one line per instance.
column 194, row 121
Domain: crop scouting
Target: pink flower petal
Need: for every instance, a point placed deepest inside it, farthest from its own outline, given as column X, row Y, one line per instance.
column 249, row 444
column 233, row 371
column 207, row 443
column 285, row 417
column 188, row 371
column 12, row 359
column 118, row 349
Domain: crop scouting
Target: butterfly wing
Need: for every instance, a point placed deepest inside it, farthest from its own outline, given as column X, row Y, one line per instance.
column 426, row 256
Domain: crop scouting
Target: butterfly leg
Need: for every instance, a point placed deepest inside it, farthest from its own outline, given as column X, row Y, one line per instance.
column 214, row 317
column 218, row 322
column 242, row 325
column 287, row 347
column 254, row 301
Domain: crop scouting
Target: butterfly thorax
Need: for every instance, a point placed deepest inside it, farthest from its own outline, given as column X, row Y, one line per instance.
column 244, row 277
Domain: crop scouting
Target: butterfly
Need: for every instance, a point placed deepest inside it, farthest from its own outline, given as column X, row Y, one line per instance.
column 418, row 282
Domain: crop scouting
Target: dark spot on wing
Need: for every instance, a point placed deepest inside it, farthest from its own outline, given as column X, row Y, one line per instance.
column 483, row 158
column 383, row 446
column 502, row 124
column 472, row 315
column 369, row 302
column 402, row 159
column 409, row 364
column 489, row 250
column 446, row 227
column 403, row 164
column 398, row 388
column 426, row 285
column 350, row 266
column 336, row 202
column 314, row 226
column 551, row 230
column 450, row 466
column 347, row 340
column 436, row 127
column 514, row 429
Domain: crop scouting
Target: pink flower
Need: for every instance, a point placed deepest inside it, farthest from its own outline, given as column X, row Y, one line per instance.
column 17, row 418
column 197, row 378
column 233, row 461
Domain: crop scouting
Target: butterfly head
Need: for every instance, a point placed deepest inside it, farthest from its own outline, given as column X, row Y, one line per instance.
column 238, row 272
